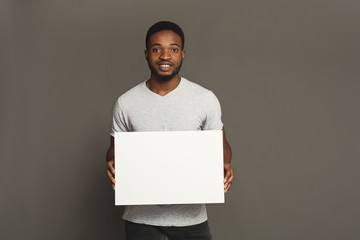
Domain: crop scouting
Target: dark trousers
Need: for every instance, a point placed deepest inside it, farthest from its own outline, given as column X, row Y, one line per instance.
column 135, row 231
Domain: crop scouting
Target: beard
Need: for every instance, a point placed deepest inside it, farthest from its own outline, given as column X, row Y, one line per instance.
column 161, row 77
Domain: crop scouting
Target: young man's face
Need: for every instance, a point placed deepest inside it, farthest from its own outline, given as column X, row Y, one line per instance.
column 164, row 55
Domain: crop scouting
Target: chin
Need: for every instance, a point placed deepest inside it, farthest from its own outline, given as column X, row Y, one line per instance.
column 165, row 78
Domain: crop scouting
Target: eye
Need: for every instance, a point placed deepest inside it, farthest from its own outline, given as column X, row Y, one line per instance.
column 155, row 50
column 174, row 50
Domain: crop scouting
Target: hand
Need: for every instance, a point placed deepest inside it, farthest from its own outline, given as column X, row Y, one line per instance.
column 111, row 172
column 229, row 176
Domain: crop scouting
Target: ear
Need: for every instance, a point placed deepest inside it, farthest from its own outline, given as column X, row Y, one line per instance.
column 183, row 54
column 146, row 54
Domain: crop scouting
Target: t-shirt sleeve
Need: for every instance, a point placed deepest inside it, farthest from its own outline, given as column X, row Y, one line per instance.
column 118, row 119
column 212, row 108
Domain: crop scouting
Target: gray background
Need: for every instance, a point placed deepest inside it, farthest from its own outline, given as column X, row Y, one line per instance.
column 285, row 72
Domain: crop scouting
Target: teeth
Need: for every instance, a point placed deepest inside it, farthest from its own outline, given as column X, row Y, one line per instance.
column 165, row 65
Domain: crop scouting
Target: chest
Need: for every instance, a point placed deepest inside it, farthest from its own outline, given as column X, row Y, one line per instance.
column 180, row 115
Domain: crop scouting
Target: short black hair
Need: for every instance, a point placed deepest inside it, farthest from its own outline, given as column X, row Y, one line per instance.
column 165, row 25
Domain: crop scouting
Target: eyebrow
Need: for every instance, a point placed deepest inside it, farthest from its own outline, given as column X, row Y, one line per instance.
column 171, row 44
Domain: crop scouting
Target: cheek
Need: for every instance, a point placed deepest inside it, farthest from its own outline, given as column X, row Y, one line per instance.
column 154, row 56
column 179, row 58
column 152, row 59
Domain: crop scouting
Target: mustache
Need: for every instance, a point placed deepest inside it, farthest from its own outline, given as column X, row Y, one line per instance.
column 165, row 63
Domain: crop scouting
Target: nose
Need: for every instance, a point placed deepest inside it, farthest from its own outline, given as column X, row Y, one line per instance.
column 165, row 55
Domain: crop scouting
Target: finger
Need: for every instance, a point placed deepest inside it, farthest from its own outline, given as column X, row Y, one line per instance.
column 110, row 165
column 111, row 172
column 113, row 186
column 110, row 176
column 232, row 175
column 229, row 181
column 227, row 175
column 227, row 187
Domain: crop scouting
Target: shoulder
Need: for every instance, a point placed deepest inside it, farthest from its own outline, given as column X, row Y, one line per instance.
column 200, row 92
column 195, row 89
column 132, row 95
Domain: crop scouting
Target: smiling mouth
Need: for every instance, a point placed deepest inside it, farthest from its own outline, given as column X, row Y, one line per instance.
column 164, row 67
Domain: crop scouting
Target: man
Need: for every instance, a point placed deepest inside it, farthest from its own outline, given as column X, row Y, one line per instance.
column 167, row 102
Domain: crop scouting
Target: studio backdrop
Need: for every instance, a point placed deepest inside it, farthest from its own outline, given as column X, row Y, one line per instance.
column 286, row 75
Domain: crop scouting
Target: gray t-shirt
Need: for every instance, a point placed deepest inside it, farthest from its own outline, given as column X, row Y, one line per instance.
column 189, row 107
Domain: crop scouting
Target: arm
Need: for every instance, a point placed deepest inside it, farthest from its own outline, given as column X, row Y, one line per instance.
column 228, row 170
column 110, row 163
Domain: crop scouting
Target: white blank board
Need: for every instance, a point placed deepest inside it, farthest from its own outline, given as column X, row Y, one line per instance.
column 171, row 167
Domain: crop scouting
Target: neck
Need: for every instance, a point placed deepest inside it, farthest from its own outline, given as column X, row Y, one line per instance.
column 162, row 87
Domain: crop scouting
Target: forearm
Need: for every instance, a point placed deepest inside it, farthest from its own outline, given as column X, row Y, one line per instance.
column 227, row 152
column 226, row 149
column 110, row 153
column 228, row 170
